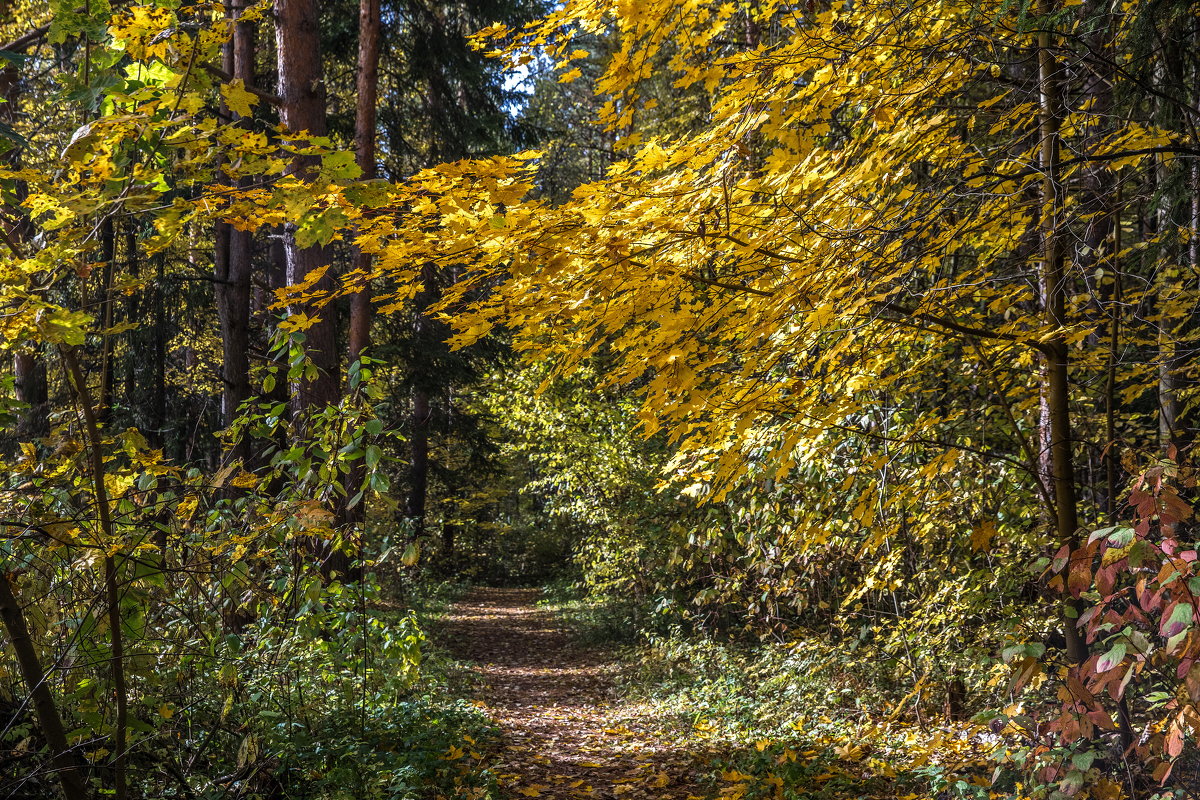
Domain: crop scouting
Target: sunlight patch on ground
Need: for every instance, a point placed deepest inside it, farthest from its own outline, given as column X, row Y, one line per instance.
column 566, row 733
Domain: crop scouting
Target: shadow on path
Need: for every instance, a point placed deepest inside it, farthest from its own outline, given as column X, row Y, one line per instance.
column 566, row 733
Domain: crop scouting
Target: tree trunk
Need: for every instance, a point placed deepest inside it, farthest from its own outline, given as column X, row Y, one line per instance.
column 1101, row 249
column 133, row 356
column 29, row 369
column 233, row 260
column 302, row 90
column 1173, row 212
column 66, row 766
column 1112, row 448
column 1168, row 359
column 449, row 543
column 107, row 536
column 418, row 476
column 105, row 301
column 29, row 366
column 1098, row 249
column 367, row 87
column 158, row 379
column 364, row 142
column 1055, row 351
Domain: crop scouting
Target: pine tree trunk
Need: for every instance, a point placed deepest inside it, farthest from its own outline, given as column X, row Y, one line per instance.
column 418, row 481
column 158, row 378
column 29, row 366
column 302, row 90
column 367, row 87
column 364, row 142
column 232, row 260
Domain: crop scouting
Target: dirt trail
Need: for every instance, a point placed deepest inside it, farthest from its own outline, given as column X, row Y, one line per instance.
column 566, row 733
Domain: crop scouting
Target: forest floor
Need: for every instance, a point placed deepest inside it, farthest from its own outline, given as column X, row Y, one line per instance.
column 566, row 731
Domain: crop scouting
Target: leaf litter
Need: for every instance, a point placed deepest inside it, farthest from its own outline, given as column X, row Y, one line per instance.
column 566, row 732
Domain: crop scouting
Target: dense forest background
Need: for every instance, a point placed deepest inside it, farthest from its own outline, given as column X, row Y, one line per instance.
column 837, row 358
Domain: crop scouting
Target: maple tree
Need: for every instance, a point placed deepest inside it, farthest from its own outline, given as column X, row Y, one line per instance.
column 852, row 217
column 136, row 563
column 869, row 321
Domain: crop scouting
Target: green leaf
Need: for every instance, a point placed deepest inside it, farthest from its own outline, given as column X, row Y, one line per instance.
column 340, row 166
column 1121, row 536
column 373, row 455
column 64, row 327
column 1112, row 658
column 9, row 138
column 1176, row 626
column 1083, row 761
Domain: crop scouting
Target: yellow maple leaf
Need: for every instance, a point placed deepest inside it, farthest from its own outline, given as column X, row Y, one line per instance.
column 981, row 536
column 245, row 480
column 237, row 98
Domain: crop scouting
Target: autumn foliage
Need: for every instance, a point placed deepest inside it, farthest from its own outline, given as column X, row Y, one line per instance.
column 769, row 324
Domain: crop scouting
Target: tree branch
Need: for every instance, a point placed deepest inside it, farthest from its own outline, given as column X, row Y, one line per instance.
column 957, row 327
column 26, row 40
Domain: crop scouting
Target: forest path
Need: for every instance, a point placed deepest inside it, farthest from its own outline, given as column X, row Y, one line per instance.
column 565, row 730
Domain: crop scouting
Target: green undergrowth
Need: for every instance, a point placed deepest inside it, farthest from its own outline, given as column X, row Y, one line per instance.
column 798, row 720
column 429, row 599
column 344, row 697
column 599, row 620
column 809, row 719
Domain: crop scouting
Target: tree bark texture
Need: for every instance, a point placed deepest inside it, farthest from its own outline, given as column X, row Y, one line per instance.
column 367, row 86
column 1054, row 290
column 233, row 258
column 302, row 91
column 62, row 760
column 29, row 366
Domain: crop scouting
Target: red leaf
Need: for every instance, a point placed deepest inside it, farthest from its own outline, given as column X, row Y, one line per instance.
column 1080, row 578
column 1192, row 682
column 1061, row 558
column 1175, row 741
column 1078, row 691
column 1173, row 507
